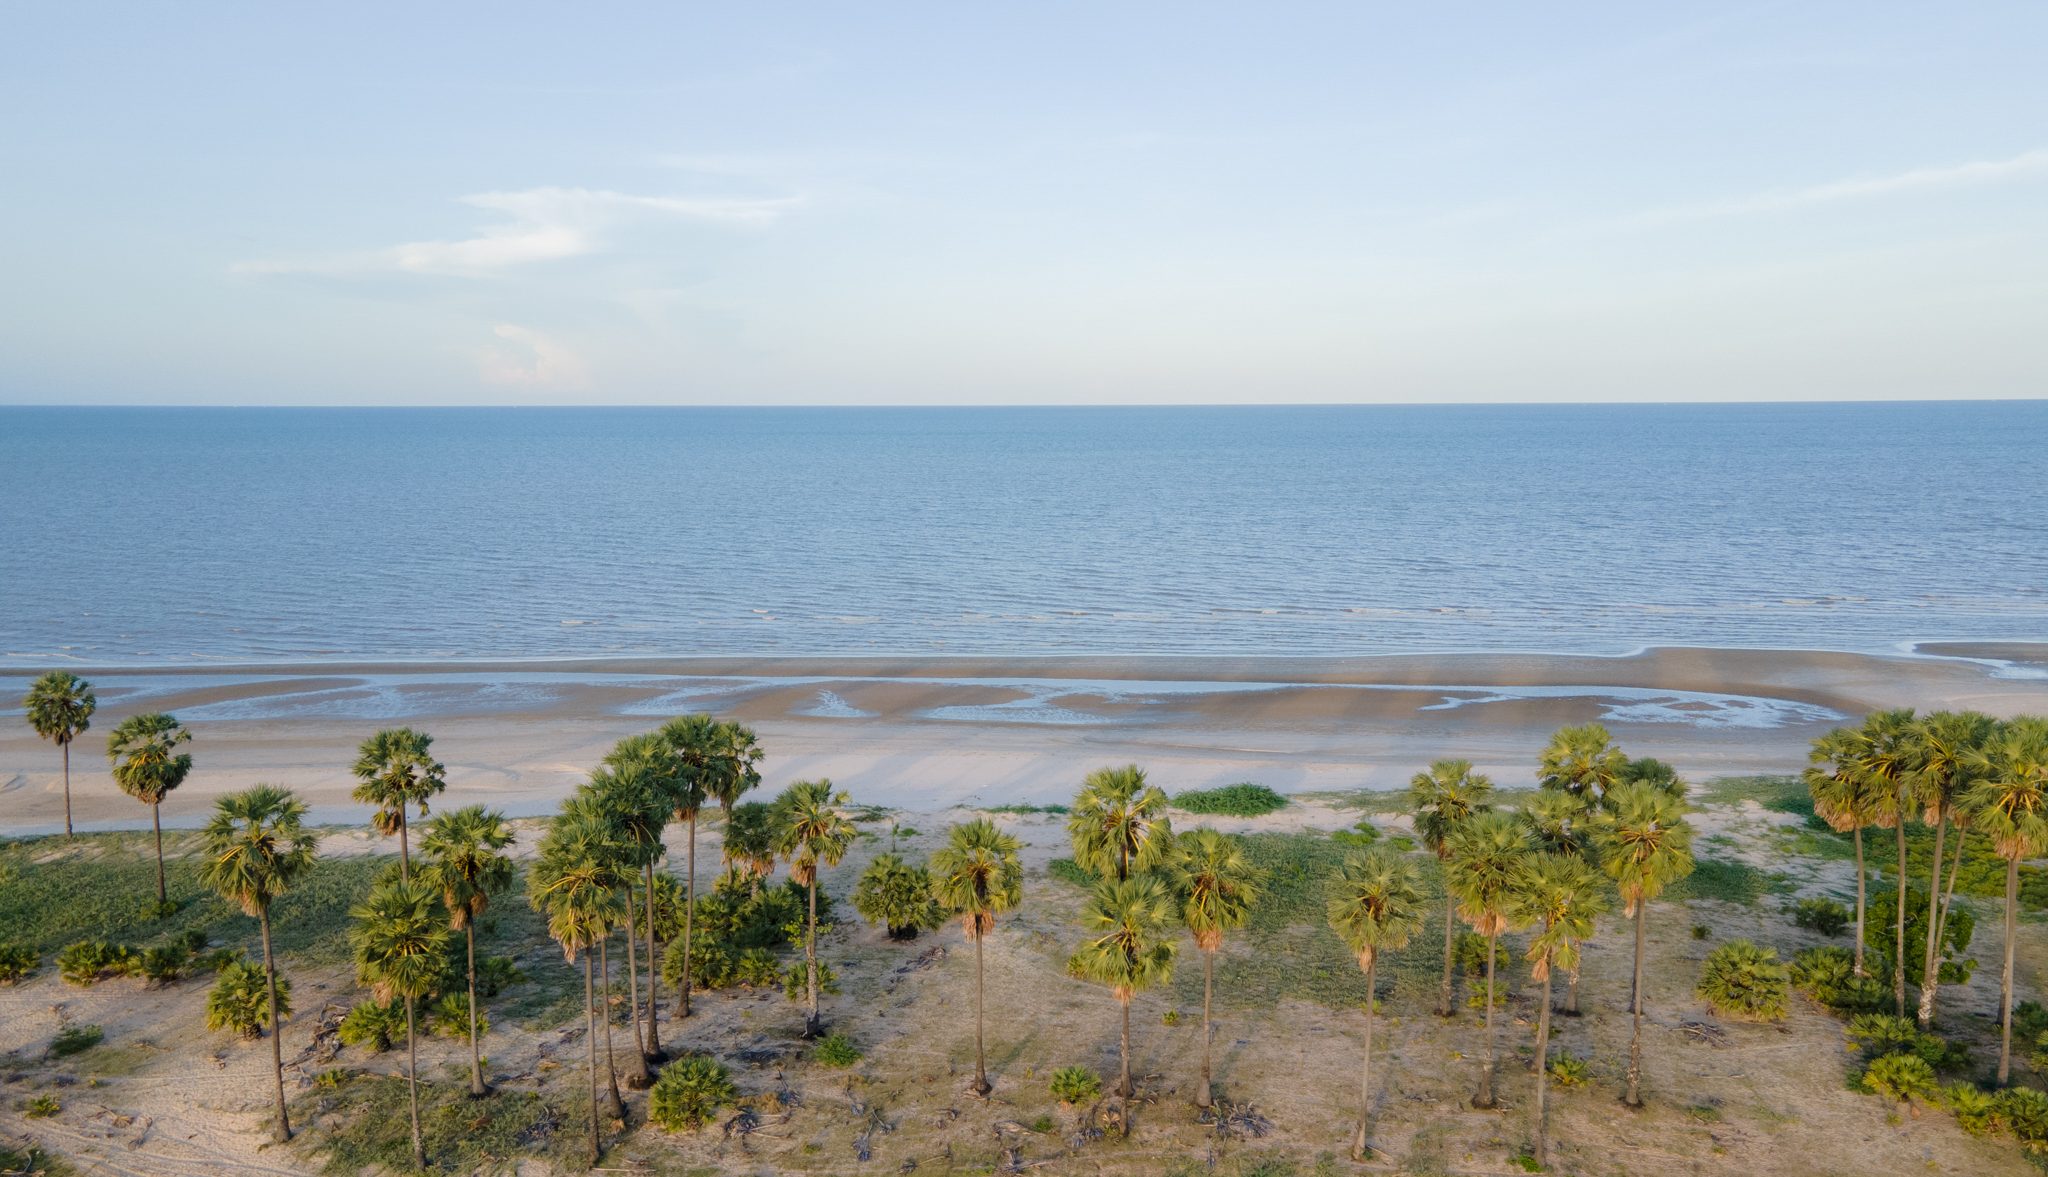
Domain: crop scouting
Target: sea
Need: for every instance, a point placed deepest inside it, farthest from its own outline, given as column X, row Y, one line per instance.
column 185, row 536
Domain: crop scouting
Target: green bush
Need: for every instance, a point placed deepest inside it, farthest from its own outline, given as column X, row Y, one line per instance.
column 1243, row 799
column 1881, row 1034
column 164, row 964
column 76, row 1040
column 1904, row 1077
column 1569, row 1070
column 1469, row 954
column 690, row 1092
column 796, row 982
column 41, row 1107
column 1066, row 870
column 2029, row 1021
column 1822, row 915
column 1975, row 1110
column 494, row 975
column 448, row 1017
column 1828, row 975
column 736, row 926
column 1076, row 1085
column 898, row 896
column 375, row 1026
column 240, row 999
column 2024, row 1112
column 1745, row 981
column 836, row 1050
column 1878, row 936
column 90, row 961
column 18, row 962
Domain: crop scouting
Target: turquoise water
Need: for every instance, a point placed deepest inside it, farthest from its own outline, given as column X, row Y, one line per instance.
column 176, row 536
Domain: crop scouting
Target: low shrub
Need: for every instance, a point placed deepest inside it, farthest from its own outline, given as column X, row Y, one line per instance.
column 1568, row 1070
column 1975, row 1110
column 76, row 1040
column 42, row 1107
column 1822, row 915
column 2029, row 1021
column 240, row 999
column 836, row 1050
column 91, row 961
column 1170, row 1018
column 897, row 895
column 1743, row 980
column 1701, row 932
column 1076, row 1085
column 1358, row 836
column 162, row 965
column 18, row 962
column 689, row 1093
column 1243, row 799
column 448, row 1017
column 1904, row 1077
column 1882, row 1034
column 796, row 982
column 1828, row 975
column 2024, row 1112
column 494, row 975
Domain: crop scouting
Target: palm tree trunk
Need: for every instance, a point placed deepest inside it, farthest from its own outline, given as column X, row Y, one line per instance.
column 590, row 1039
column 811, row 1026
column 1365, row 1070
column 981, row 1083
column 1634, row 1098
column 1859, row 900
column 1899, row 928
column 412, row 1087
column 1930, row 974
column 1123, row 1083
column 404, row 854
column 1484, row 1098
column 638, row 1079
column 1443, row 1001
column 690, row 914
column 283, row 1131
column 2012, row 908
column 476, row 1060
column 1203, row 1096
column 1948, row 895
column 66, row 745
column 654, row 1051
column 156, row 821
column 1543, row 1072
column 611, row 1063
column 1571, row 992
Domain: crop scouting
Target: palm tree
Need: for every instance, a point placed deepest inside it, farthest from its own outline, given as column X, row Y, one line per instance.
column 1886, row 755
column 574, row 882
column 397, row 769
column 1561, row 822
column 401, row 945
column 751, row 834
column 1375, row 906
column 59, row 706
column 1582, row 760
column 1443, row 798
column 1486, row 857
column 815, row 833
column 635, row 799
column 652, row 760
column 1645, row 846
column 257, row 847
column 1947, row 738
column 1560, row 895
column 978, row 876
column 1128, row 923
column 1843, row 798
column 1217, row 885
column 148, row 766
column 462, row 857
column 696, row 743
column 1119, row 823
column 2009, row 805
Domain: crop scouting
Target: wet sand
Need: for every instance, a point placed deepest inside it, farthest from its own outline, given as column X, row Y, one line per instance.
column 924, row 733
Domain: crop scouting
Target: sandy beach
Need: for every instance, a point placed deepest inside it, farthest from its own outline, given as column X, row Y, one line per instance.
column 927, row 733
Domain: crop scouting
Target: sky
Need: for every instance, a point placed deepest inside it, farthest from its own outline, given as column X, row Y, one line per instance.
column 949, row 203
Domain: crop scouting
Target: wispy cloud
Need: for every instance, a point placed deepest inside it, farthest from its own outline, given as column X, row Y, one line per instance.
column 536, row 225
column 525, row 358
column 1977, row 172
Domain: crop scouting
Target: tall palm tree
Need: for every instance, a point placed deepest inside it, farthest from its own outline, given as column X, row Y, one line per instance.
column 752, row 832
column 1375, row 906
column 257, row 847
column 401, row 944
column 1887, row 755
column 462, row 857
column 1561, row 822
column 635, row 799
column 398, row 770
column 652, row 760
column 574, row 882
column 1947, row 739
column 1559, row 895
column 1844, row 798
column 147, row 766
column 60, row 706
column 1582, row 760
column 1217, row 885
column 1645, row 846
column 816, row 833
column 697, row 744
column 1119, row 824
column 2009, row 805
column 1128, row 947
column 977, row 875
column 1486, row 856
column 1443, row 798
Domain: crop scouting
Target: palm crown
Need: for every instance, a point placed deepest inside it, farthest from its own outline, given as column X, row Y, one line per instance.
column 1127, row 922
column 1645, row 843
column 465, row 861
column 977, row 874
column 1485, row 857
column 397, row 770
column 59, row 706
column 1119, row 823
column 1217, row 884
column 815, row 828
column 400, row 939
column 1560, row 896
column 256, row 846
column 1444, row 797
column 1582, row 760
column 1375, row 903
column 147, row 765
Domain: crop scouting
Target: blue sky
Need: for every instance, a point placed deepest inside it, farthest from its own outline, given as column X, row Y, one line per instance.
column 969, row 203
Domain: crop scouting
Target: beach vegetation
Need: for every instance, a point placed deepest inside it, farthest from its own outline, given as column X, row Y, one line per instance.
column 896, row 895
column 1821, row 914
column 1074, row 1086
column 18, row 962
column 1742, row 980
column 1375, row 907
column 1244, row 799
column 1217, row 885
column 1645, row 845
column 148, row 766
column 373, row 1025
column 76, row 1040
column 1444, row 798
column 816, row 833
column 240, row 999
column 1118, row 825
column 692, row 1090
column 59, row 706
column 1127, row 947
column 836, row 1050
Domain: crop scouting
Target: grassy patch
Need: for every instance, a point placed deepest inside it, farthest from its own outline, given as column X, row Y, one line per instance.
column 1779, row 794
column 1728, row 881
column 1022, row 810
column 29, row 1158
column 1243, row 799
column 359, row 1124
column 1066, row 870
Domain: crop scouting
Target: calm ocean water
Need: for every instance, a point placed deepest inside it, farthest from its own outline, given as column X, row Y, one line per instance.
column 179, row 536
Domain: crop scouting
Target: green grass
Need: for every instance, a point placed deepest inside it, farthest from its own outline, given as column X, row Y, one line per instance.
column 1066, row 870
column 1780, row 794
column 1728, row 881
column 29, row 1159
column 371, row 1131
column 1023, row 810
column 1243, row 799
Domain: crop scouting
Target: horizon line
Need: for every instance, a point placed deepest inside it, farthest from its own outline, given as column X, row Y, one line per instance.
column 1434, row 404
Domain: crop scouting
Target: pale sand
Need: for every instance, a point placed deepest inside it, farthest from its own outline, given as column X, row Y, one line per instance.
column 519, row 736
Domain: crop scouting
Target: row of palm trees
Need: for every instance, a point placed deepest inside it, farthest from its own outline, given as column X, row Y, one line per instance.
column 1949, row 770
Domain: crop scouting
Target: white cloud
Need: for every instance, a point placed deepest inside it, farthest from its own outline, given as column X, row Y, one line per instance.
column 539, row 225
column 1977, row 172
column 525, row 358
